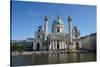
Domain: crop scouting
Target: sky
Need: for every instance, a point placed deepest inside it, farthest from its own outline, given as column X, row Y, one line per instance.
column 27, row 16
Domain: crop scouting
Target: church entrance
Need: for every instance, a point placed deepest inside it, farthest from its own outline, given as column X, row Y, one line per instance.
column 77, row 45
column 57, row 46
column 38, row 47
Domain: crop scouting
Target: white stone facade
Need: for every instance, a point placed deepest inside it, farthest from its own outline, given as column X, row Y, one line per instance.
column 58, row 38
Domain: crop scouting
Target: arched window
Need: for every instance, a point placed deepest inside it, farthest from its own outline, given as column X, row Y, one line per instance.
column 38, row 36
column 76, row 36
column 75, row 30
column 39, row 30
column 77, row 45
column 38, row 46
column 58, row 30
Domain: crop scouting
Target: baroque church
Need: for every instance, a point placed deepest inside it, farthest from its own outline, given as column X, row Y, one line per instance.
column 58, row 39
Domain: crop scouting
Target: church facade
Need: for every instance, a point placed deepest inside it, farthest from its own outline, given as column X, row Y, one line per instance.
column 58, row 39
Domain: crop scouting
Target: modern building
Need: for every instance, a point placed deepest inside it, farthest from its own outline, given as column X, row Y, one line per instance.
column 27, row 44
column 58, row 39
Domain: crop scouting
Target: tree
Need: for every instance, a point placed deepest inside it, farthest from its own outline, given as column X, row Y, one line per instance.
column 17, row 48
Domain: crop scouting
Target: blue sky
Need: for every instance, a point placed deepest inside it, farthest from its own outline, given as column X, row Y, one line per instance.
column 27, row 16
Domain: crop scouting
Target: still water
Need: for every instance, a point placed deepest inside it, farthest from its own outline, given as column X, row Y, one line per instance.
column 40, row 59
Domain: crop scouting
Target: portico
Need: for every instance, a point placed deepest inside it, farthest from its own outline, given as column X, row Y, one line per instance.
column 57, row 44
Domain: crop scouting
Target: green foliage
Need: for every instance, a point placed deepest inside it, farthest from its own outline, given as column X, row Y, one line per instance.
column 17, row 48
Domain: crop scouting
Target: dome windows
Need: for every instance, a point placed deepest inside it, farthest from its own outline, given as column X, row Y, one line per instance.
column 58, row 23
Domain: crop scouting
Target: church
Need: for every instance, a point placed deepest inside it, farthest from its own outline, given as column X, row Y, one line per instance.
column 57, row 39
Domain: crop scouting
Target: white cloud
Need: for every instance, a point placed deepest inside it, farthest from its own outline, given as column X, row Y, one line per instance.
column 33, row 13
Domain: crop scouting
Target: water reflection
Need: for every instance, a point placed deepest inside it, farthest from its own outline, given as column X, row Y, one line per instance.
column 39, row 59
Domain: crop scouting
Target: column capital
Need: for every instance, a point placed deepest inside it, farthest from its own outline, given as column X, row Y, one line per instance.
column 69, row 18
column 46, row 18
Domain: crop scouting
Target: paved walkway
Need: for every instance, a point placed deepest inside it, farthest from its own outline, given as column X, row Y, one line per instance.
column 45, row 52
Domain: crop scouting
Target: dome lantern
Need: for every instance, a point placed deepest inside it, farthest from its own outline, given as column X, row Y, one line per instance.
column 58, row 17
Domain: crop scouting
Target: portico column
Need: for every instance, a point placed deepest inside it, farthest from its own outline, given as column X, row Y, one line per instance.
column 56, row 44
column 65, row 45
column 50, row 46
column 59, row 44
column 62, row 44
column 53, row 44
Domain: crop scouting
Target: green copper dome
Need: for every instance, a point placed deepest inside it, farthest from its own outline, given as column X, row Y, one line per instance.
column 58, row 21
